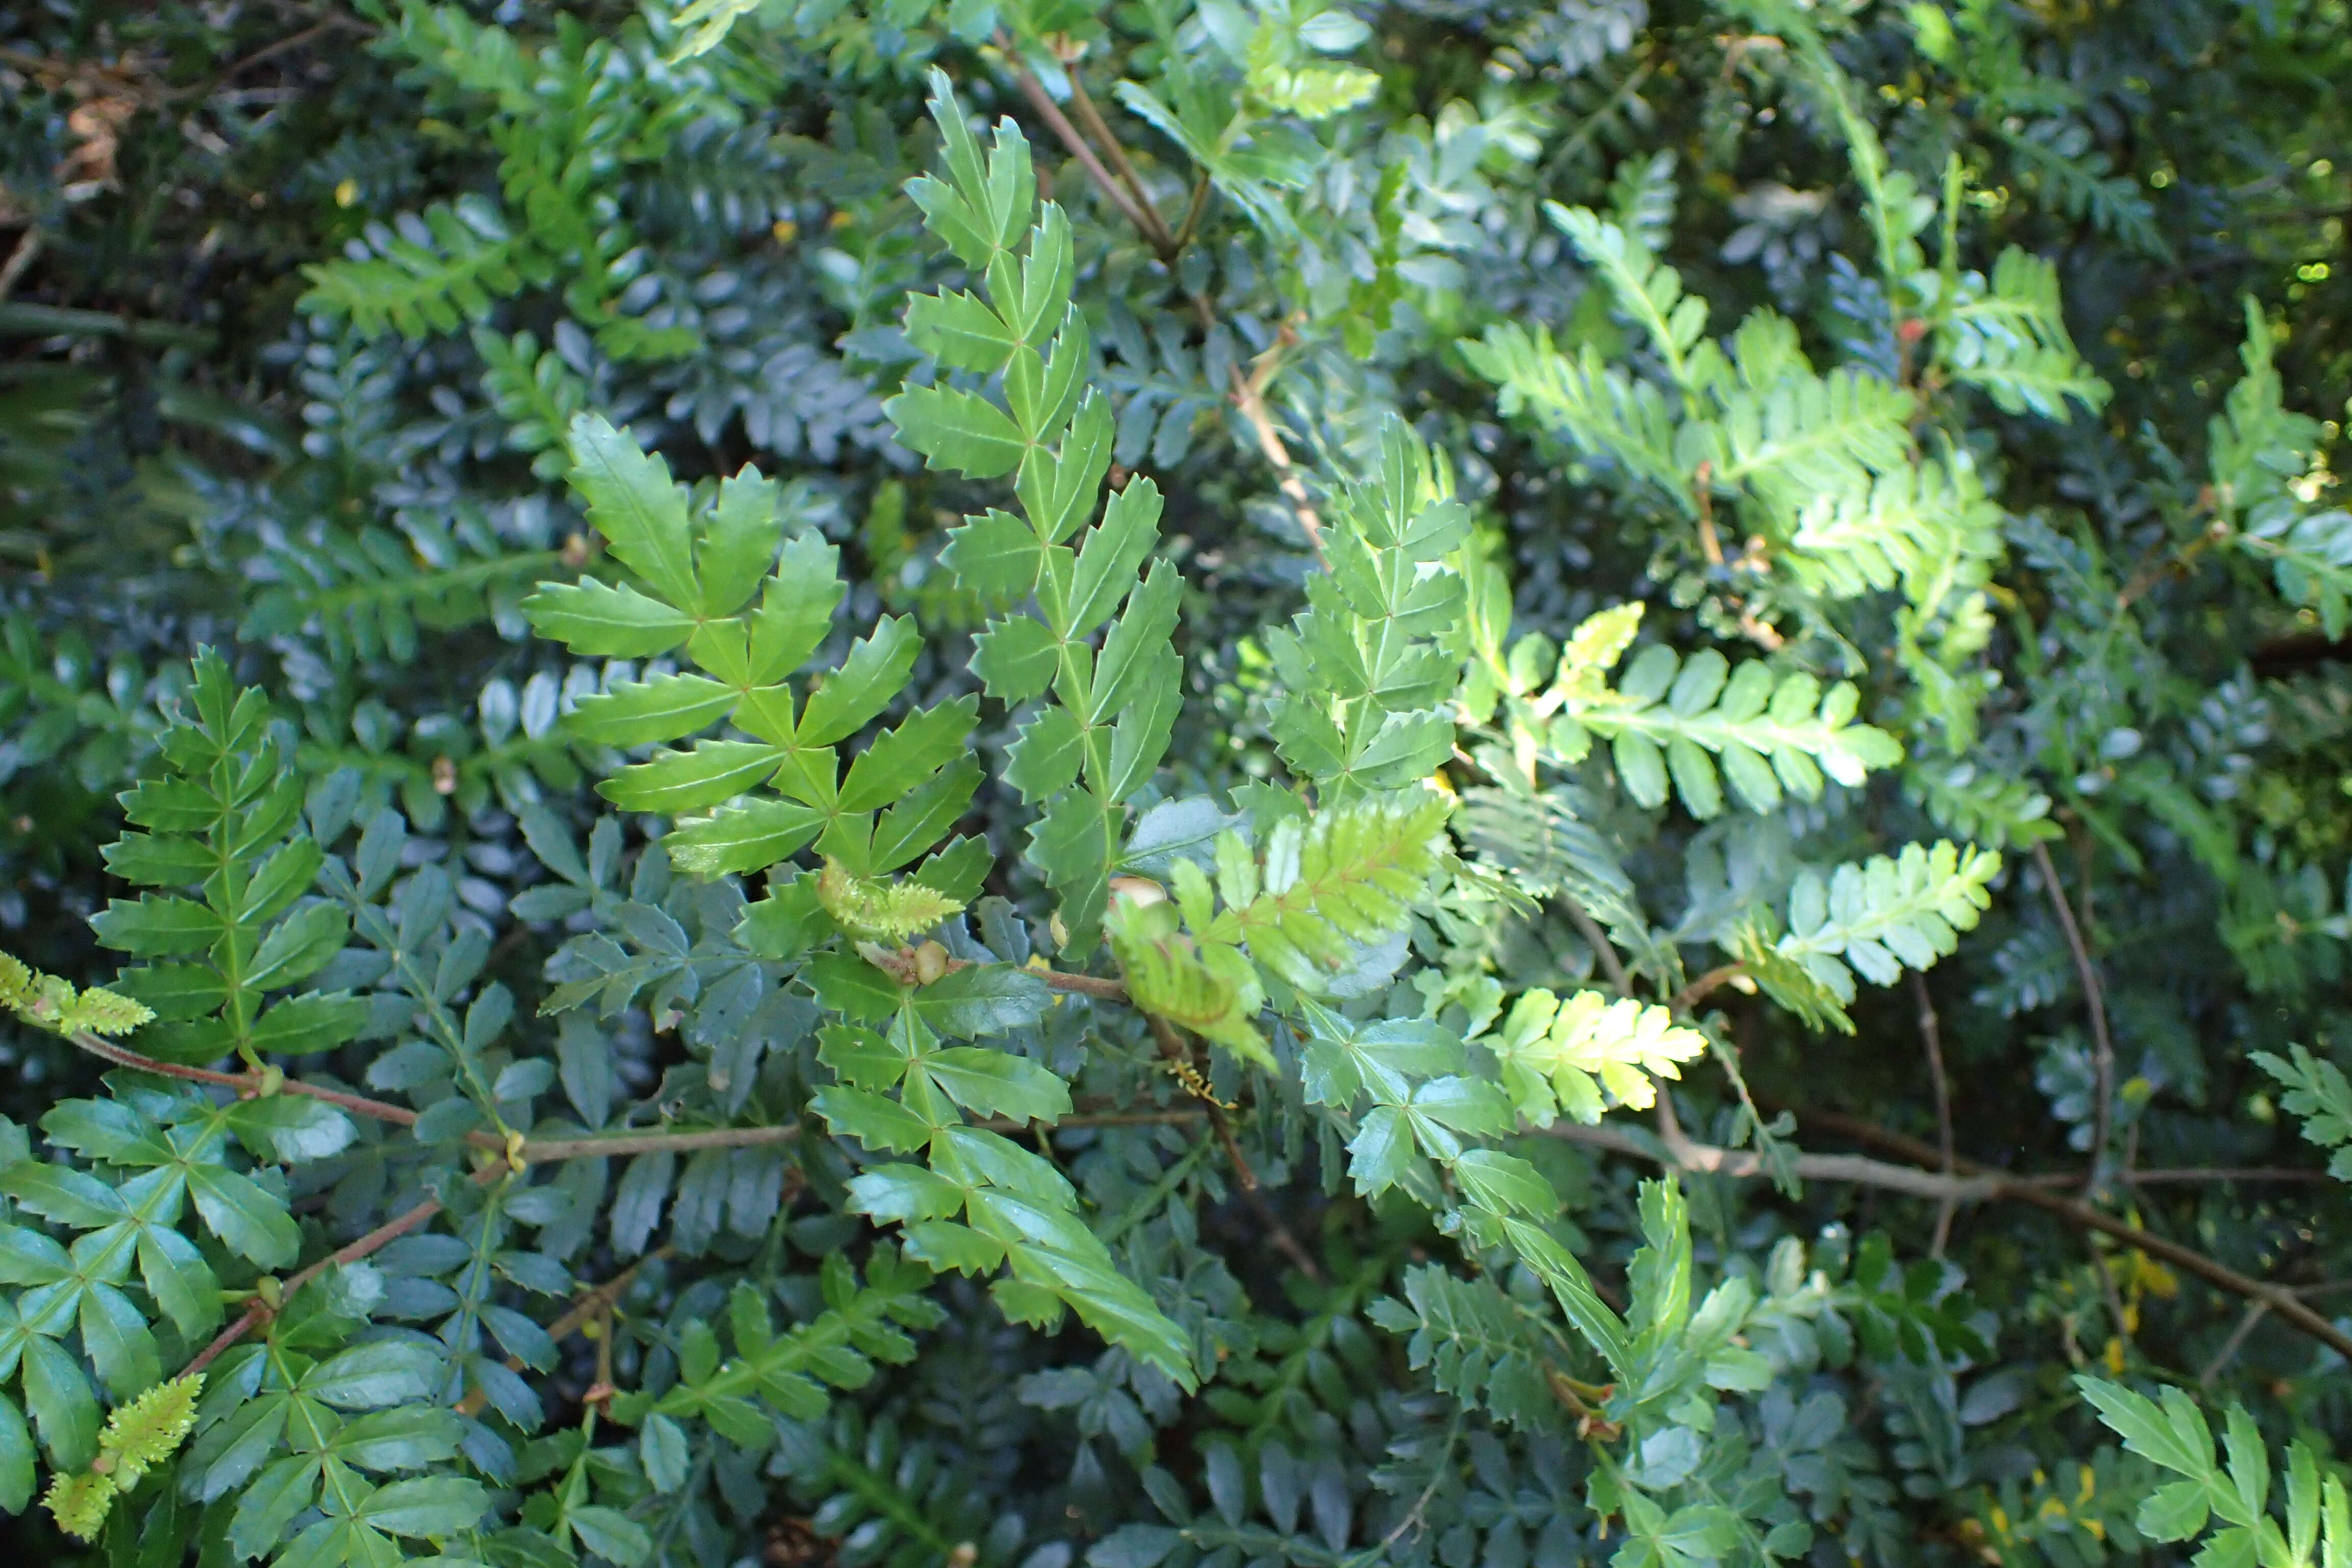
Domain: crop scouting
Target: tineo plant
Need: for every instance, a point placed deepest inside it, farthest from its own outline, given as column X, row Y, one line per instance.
column 1098, row 1014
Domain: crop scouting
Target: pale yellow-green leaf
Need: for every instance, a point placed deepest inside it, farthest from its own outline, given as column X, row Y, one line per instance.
column 1211, row 991
column 887, row 912
column 706, row 24
column 144, row 1433
column 81, row 1503
column 1601, row 639
column 49, row 1003
column 1565, row 1056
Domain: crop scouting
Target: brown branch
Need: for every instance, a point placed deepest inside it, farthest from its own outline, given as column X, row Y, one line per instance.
column 391, row 1230
column 1097, row 986
column 267, row 51
column 1091, row 118
column 1931, row 1034
column 548, row 1151
column 1125, row 191
column 291, row 41
column 2102, row 1048
column 28, row 247
column 2225, row 1173
column 1279, row 1233
column 122, row 1056
column 1051, row 114
column 2221, row 1357
column 595, row 1303
column 2166, row 565
column 2118, row 1313
column 2073, row 1212
column 540, row 1151
column 599, row 1397
column 1172, row 1049
column 602, row 1296
column 1623, row 94
column 252, row 1085
column 1707, row 1160
column 1969, row 1188
column 1702, row 490
column 1604, row 952
column 358, row 1105
column 2282, row 1301
column 1249, row 397
column 1698, row 990
column 527, row 1151
column 1100, row 987
column 254, row 1315
column 1193, row 211
column 1870, row 1135
column 1107, row 1119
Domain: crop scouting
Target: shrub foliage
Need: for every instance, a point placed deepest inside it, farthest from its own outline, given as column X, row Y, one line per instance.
column 1215, row 782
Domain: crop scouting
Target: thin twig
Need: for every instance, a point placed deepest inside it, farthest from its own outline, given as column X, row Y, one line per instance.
column 604, row 1296
column 2281, row 1301
column 391, row 1230
column 1249, row 397
column 306, row 8
column 1707, row 1160
column 1703, row 488
column 596, row 1303
column 267, row 51
column 28, row 247
column 2108, row 1293
column 227, row 1339
column 2103, row 1059
column 1172, row 1049
column 540, row 1151
column 1051, row 114
column 1174, row 1116
column 1577, row 139
column 1699, row 990
column 1871, row 1133
column 2221, row 1358
column 1604, row 952
column 2165, row 559
column 1095, row 985
column 124, row 1055
column 1224, row 1129
column 1156, row 228
column 594, row 1146
column 1438, row 1473
column 599, row 1397
column 1931, row 1034
column 1125, row 191
column 2224, row 1174
column 1193, row 211
column 526, row 1152
column 250, row 1084
column 1284, row 1242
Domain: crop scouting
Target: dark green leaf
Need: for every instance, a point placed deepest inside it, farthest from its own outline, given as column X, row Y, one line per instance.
column 997, row 1083
column 156, row 926
column 983, row 999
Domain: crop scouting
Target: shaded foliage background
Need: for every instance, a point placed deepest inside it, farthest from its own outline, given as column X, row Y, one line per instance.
column 348, row 485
